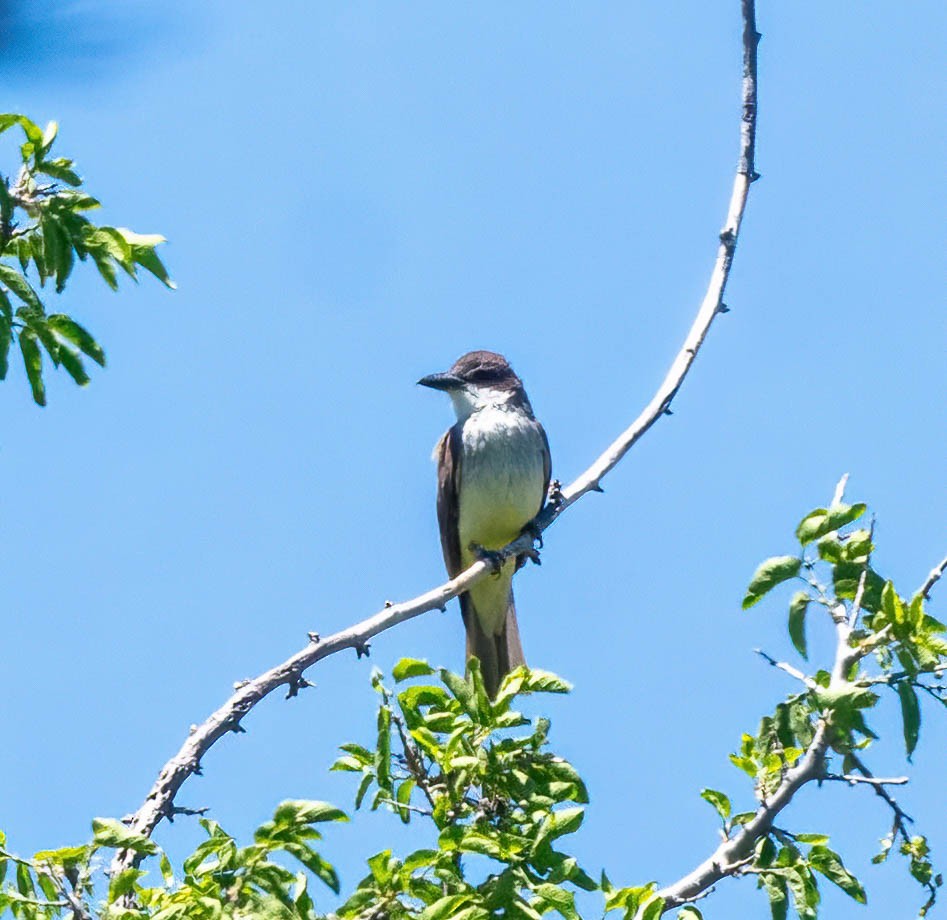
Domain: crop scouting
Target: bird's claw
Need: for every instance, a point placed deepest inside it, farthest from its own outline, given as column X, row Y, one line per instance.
column 493, row 558
column 535, row 531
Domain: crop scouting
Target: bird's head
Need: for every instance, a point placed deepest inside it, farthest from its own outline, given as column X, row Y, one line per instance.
column 477, row 380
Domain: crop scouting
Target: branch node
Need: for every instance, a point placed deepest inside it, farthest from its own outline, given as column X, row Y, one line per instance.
column 237, row 728
column 754, row 176
column 362, row 649
column 296, row 683
column 727, row 237
column 389, row 604
column 596, row 487
column 668, row 411
column 723, row 308
column 313, row 636
column 240, row 684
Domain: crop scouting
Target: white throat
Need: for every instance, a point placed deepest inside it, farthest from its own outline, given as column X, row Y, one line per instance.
column 472, row 399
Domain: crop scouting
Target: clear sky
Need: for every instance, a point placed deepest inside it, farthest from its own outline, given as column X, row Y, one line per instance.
column 355, row 194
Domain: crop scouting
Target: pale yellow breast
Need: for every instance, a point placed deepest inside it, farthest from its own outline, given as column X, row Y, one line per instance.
column 502, row 477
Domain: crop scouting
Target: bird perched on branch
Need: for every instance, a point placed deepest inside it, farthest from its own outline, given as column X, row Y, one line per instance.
column 492, row 477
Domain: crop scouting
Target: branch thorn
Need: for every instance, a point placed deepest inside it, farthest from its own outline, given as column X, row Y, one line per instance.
column 723, row 308
column 313, row 636
column 362, row 650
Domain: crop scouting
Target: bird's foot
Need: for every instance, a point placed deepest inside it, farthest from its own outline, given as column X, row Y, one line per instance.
column 493, row 558
column 533, row 530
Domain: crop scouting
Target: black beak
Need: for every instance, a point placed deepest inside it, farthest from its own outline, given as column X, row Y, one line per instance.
column 444, row 382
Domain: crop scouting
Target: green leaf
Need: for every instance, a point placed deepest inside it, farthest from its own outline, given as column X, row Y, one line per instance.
column 67, row 328
column 689, row 912
column 411, row 667
column 797, row 622
column 718, row 800
column 846, row 577
column 307, row 811
column 560, row 900
column 845, row 699
column 537, row 681
column 652, row 908
column 403, row 798
column 321, row 869
column 462, row 691
column 6, row 338
column 33, row 362
column 383, row 751
column 143, row 253
column 775, row 886
column 558, row 824
column 823, row 521
column 910, row 715
column 71, row 361
column 20, row 286
column 61, row 169
column 829, row 864
column 107, row 832
column 770, row 573
column 123, row 883
column 446, row 908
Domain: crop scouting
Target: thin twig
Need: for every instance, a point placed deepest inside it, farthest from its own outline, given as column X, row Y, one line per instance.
column 853, row 780
column 933, row 578
column 901, row 817
column 788, row 668
column 839, row 491
column 228, row 717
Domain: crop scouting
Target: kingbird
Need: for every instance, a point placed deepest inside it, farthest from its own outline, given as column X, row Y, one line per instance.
column 492, row 477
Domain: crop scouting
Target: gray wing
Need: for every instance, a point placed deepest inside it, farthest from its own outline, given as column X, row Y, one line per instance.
column 448, row 505
column 547, row 466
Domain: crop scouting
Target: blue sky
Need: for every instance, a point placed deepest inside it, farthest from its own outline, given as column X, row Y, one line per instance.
column 355, row 194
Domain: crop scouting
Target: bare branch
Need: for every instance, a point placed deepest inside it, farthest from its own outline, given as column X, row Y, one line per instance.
column 839, row 491
column 788, row 668
column 228, row 717
column 933, row 578
column 853, row 780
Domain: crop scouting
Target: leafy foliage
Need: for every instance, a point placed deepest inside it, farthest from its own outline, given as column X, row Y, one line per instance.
column 492, row 809
column 43, row 230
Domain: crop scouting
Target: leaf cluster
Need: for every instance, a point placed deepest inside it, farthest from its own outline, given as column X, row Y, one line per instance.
column 500, row 803
column 44, row 230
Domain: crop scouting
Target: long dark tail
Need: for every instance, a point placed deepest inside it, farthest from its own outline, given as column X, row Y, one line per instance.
column 498, row 654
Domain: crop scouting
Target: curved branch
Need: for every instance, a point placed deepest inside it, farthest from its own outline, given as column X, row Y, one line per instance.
column 187, row 761
column 730, row 857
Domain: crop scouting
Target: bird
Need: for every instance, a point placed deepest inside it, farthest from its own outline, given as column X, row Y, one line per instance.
column 493, row 469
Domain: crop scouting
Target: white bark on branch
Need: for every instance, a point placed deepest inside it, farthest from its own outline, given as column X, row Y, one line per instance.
column 933, row 578
column 160, row 800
